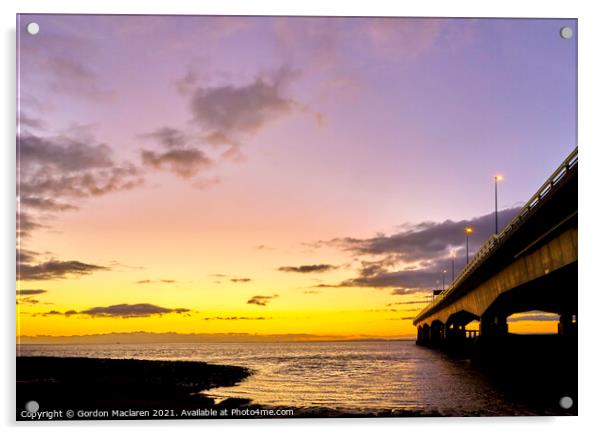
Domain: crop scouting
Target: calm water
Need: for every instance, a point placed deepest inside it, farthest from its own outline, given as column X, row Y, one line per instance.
column 340, row 375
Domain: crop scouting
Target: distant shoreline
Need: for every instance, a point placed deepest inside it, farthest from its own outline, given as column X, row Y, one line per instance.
column 176, row 338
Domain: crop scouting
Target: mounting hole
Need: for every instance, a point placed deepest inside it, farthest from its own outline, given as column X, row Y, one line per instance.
column 566, row 32
column 32, row 406
column 566, row 402
column 33, row 28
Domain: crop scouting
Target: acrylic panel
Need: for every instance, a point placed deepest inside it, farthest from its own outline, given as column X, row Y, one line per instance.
column 258, row 217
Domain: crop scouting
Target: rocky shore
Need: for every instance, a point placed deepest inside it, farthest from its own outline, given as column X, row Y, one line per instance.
column 94, row 388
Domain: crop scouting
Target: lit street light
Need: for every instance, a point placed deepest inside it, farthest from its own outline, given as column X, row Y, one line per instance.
column 496, row 179
column 443, row 285
column 453, row 270
column 467, row 230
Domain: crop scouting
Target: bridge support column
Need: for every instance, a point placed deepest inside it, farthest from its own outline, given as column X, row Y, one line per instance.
column 453, row 332
column 567, row 324
column 448, row 333
column 494, row 325
column 419, row 335
column 437, row 333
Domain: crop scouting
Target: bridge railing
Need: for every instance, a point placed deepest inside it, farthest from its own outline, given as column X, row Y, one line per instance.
column 490, row 246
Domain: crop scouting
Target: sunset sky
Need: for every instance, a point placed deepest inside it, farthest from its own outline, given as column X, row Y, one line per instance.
column 273, row 175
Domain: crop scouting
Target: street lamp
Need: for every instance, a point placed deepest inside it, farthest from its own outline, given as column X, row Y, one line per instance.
column 467, row 230
column 496, row 179
column 443, row 285
column 453, row 256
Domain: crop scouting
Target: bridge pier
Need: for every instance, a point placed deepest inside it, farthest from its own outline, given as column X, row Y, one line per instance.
column 493, row 325
column 567, row 324
column 437, row 333
column 454, row 333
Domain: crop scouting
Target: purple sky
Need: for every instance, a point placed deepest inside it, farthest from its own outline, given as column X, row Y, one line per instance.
column 417, row 114
column 202, row 138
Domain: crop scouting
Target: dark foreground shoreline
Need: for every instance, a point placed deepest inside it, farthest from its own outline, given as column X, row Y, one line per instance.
column 69, row 388
column 121, row 387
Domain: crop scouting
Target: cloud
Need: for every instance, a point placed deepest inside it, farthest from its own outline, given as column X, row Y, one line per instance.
column 158, row 281
column 62, row 153
column 261, row 300
column 309, row 268
column 263, row 248
column 122, row 311
column 427, row 240
column 135, row 310
column 25, row 120
column 49, row 182
column 237, row 318
column 222, row 116
column 228, row 113
column 178, row 155
column 241, row 280
column 183, row 162
column 26, row 296
column 55, row 269
column 54, row 172
column 534, row 316
column 169, row 137
column 392, row 304
column 30, row 292
column 26, row 224
column 50, row 313
column 412, row 260
column 26, row 256
column 401, row 318
column 412, row 280
column 45, row 204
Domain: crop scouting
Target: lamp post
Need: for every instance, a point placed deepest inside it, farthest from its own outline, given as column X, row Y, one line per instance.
column 496, row 179
column 467, row 230
column 443, row 279
column 453, row 270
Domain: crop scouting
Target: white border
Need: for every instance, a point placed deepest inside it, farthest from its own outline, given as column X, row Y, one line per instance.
column 590, row 71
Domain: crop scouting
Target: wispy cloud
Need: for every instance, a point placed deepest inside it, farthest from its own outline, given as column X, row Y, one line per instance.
column 426, row 240
column 55, row 172
column 308, row 268
column 121, row 311
column 261, row 300
column 422, row 302
column 156, row 281
column 411, row 261
column 27, row 296
column 230, row 318
column 55, row 269
column 30, row 292
column 185, row 162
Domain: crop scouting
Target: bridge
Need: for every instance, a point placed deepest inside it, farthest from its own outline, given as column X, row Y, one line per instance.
column 530, row 265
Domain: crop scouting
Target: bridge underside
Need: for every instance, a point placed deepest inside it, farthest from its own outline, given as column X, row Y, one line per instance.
column 544, row 279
